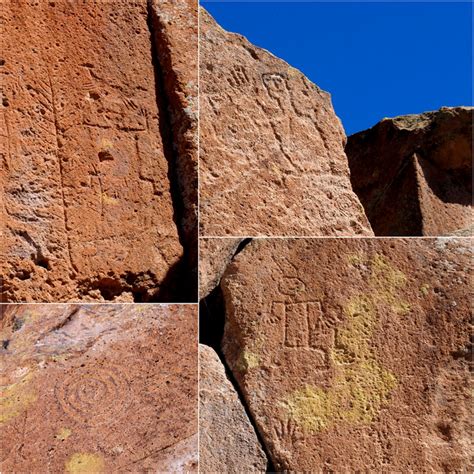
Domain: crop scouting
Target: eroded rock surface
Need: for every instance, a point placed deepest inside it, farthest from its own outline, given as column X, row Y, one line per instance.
column 175, row 32
column 354, row 354
column 272, row 160
column 98, row 388
column 214, row 255
column 413, row 174
column 87, row 210
column 227, row 443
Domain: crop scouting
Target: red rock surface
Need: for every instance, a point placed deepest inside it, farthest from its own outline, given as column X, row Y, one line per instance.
column 214, row 255
column 227, row 441
column 175, row 32
column 353, row 355
column 98, row 388
column 413, row 174
column 272, row 158
column 87, row 210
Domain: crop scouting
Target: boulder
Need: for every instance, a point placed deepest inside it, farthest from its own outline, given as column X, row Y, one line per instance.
column 272, row 158
column 227, row 443
column 413, row 174
column 353, row 355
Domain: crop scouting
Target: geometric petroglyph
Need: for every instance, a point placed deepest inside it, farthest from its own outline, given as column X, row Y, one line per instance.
column 303, row 325
column 93, row 396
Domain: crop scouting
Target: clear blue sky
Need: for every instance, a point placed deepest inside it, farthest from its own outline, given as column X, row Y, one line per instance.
column 376, row 59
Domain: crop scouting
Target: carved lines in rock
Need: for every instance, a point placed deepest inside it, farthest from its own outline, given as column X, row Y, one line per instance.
column 94, row 396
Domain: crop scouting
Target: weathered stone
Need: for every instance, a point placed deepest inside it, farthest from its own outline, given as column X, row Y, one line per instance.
column 272, row 158
column 214, row 255
column 413, row 174
column 175, row 32
column 353, row 354
column 87, row 211
column 98, row 388
column 227, row 443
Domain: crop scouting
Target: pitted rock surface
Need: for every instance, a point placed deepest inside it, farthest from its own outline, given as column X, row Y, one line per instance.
column 214, row 256
column 354, row 354
column 175, row 32
column 87, row 210
column 227, row 442
column 272, row 158
column 98, row 388
column 413, row 173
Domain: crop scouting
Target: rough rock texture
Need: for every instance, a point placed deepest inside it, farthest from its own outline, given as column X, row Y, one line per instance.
column 272, row 158
column 98, row 388
column 214, row 255
column 87, row 211
column 413, row 174
column 175, row 32
column 353, row 355
column 227, row 442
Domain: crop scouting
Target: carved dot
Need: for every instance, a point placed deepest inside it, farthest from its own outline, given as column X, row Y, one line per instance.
column 5, row 102
column 2, row 62
column 105, row 155
column 94, row 95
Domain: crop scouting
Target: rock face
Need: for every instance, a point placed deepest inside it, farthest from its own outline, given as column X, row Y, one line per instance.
column 86, row 154
column 214, row 255
column 175, row 33
column 413, row 174
column 272, row 158
column 228, row 443
column 353, row 355
column 98, row 388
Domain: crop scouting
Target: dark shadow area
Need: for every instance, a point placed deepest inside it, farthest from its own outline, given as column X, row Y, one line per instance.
column 184, row 275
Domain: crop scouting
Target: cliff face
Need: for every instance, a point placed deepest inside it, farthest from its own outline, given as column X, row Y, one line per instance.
column 413, row 174
column 359, row 362
column 90, row 209
column 88, row 388
column 272, row 160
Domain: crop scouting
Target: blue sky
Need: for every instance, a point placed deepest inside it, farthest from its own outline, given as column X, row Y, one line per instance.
column 376, row 59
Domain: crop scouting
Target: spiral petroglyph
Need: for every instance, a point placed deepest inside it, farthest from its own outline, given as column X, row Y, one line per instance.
column 94, row 396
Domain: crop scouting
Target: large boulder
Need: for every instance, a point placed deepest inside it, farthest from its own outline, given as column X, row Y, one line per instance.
column 228, row 442
column 353, row 354
column 272, row 158
column 413, row 173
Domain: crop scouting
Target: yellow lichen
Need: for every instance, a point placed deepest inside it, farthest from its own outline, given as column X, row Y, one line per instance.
column 361, row 385
column 247, row 361
column 63, row 434
column 111, row 201
column 82, row 463
column 15, row 398
column 424, row 289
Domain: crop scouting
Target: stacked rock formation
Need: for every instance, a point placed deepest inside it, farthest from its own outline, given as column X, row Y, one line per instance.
column 354, row 354
column 272, row 158
column 98, row 388
column 87, row 144
column 413, row 174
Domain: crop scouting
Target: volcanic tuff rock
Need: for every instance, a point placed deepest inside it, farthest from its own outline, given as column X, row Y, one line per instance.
column 214, row 255
column 272, row 156
column 87, row 210
column 413, row 174
column 353, row 354
column 227, row 443
column 175, row 32
column 98, row 388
